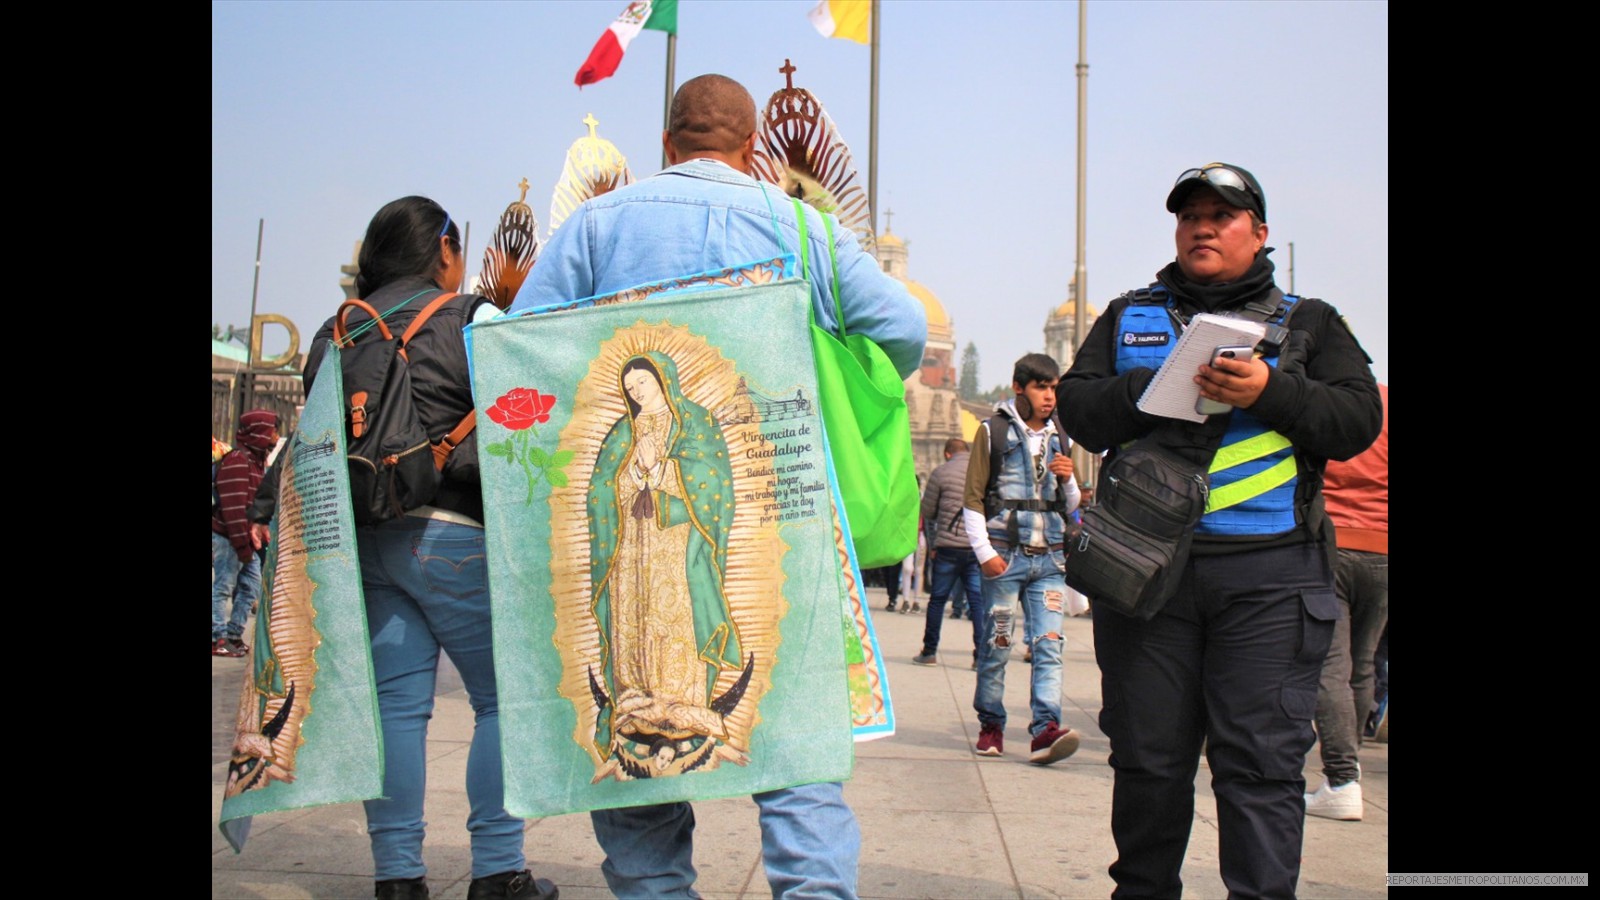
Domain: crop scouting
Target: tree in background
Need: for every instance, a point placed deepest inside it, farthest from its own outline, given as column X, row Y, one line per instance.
column 968, row 386
column 995, row 394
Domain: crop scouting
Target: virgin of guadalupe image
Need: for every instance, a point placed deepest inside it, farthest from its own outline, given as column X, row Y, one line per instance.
column 660, row 505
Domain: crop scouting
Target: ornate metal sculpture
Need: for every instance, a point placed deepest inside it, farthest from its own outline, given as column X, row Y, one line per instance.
column 594, row 166
column 512, row 250
column 800, row 150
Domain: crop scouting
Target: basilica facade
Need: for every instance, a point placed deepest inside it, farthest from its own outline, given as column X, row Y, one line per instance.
column 931, row 398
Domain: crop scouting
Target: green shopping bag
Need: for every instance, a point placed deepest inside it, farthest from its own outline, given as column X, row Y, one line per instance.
column 864, row 412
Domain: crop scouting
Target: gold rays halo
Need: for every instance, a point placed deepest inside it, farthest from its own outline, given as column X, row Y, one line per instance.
column 800, row 150
column 754, row 578
column 593, row 166
column 291, row 650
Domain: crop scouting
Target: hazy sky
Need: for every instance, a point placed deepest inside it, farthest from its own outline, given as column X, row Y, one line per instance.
column 324, row 111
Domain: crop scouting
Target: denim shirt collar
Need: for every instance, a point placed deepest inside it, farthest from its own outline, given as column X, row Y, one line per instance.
column 710, row 170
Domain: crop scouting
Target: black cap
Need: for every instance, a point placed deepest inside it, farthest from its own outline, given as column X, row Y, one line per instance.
column 1214, row 175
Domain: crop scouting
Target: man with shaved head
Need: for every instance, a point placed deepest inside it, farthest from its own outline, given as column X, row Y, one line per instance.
column 704, row 212
column 710, row 113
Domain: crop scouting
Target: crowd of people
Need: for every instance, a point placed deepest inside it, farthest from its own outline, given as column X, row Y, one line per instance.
column 1266, row 642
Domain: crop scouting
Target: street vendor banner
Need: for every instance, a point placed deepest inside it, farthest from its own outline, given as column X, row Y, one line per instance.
column 308, row 719
column 872, row 709
column 664, row 559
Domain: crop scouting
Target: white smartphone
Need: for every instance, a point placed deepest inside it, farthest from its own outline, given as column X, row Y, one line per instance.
column 1206, row 407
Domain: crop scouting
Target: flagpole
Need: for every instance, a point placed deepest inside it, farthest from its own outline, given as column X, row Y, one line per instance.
column 666, row 113
column 1091, row 463
column 247, row 378
column 255, row 289
column 1081, row 275
column 872, row 145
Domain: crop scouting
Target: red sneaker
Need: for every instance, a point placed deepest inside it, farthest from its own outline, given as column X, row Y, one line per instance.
column 991, row 740
column 1053, row 744
column 222, row 647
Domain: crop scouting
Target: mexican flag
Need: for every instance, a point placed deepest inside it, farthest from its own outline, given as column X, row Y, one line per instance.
column 660, row 15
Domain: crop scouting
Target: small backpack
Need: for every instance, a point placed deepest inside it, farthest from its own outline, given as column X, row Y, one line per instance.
column 999, row 428
column 393, row 465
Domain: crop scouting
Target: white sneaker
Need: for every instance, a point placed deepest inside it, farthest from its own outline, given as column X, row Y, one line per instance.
column 1343, row 802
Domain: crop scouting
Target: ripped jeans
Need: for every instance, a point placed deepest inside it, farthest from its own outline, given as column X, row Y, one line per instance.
column 1037, row 583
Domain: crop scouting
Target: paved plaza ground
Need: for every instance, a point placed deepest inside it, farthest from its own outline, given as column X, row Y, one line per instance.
column 936, row 821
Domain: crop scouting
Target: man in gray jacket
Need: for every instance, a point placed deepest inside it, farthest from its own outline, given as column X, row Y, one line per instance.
column 953, row 557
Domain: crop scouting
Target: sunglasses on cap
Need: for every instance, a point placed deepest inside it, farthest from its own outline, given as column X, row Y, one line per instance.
column 1219, row 175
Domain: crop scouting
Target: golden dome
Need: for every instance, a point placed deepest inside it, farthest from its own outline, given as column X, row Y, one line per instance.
column 1070, row 308
column 888, row 239
column 969, row 426
column 935, row 309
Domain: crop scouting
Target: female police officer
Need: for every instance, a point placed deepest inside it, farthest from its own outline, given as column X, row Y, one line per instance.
column 1232, row 660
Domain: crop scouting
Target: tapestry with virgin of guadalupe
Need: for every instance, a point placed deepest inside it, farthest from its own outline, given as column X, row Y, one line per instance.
column 662, row 552
column 307, row 730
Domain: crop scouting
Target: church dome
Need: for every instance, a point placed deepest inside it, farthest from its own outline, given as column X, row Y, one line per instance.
column 938, row 320
column 889, row 239
column 930, row 303
column 1070, row 309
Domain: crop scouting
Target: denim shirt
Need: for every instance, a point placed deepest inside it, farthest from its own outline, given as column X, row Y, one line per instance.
column 704, row 214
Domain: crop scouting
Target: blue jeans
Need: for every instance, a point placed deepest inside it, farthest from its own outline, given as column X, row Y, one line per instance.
column 427, row 587
column 1038, row 584
column 810, row 844
column 232, row 581
column 950, row 565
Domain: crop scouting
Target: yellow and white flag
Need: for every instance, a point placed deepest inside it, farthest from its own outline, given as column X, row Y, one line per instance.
column 848, row 19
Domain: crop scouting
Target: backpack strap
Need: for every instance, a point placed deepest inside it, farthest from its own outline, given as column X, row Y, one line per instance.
column 992, row 504
column 448, row 443
column 416, row 324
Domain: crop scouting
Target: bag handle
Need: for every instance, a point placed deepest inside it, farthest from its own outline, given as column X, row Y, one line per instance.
column 341, row 330
column 833, row 260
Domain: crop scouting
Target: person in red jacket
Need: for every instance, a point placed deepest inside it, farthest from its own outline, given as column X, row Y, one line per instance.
column 235, row 569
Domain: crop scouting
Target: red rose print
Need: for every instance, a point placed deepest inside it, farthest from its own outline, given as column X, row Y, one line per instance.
column 521, row 408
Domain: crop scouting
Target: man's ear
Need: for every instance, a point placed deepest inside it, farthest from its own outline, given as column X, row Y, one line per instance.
column 666, row 145
column 747, row 153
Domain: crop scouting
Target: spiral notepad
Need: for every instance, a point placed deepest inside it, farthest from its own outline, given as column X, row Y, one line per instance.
column 1172, row 393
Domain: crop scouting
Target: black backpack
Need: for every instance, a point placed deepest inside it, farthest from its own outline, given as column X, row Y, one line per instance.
column 394, row 467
